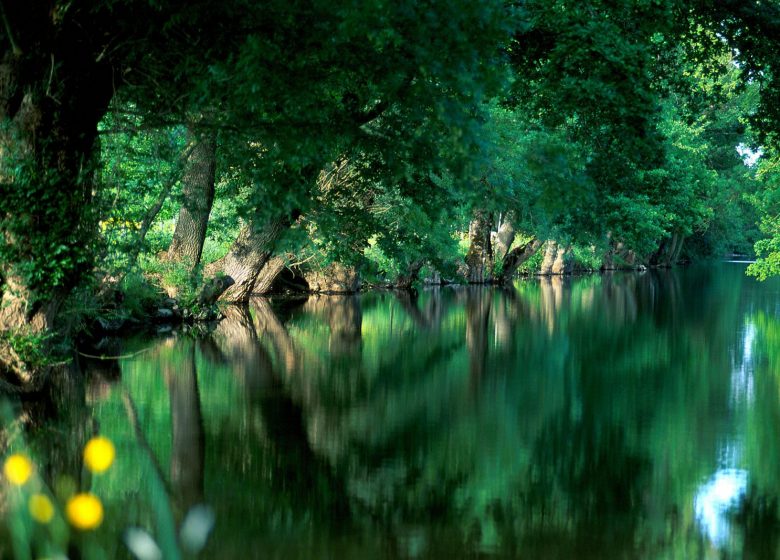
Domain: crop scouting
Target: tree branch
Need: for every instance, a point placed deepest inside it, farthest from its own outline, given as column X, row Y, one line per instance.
column 14, row 46
column 154, row 210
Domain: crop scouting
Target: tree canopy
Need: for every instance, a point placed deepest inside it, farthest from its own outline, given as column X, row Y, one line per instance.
column 383, row 138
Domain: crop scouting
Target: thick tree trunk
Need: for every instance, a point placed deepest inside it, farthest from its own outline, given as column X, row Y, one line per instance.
column 561, row 264
column 668, row 251
column 197, row 199
column 255, row 243
column 48, row 127
column 675, row 257
column 407, row 280
column 479, row 258
column 673, row 252
column 515, row 258
column 629, row 258
column 608, row 261
column 246, row 258
column 333, row 279
column 550, row 252
column 504, row 238
column 656, row 259
column 269, row 273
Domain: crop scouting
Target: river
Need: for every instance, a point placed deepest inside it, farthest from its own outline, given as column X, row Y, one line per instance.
column 625, row 415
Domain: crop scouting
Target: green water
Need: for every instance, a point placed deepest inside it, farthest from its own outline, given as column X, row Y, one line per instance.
column 615, row 416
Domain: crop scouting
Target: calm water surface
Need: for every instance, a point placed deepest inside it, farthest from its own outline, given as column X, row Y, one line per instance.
column 615, row 416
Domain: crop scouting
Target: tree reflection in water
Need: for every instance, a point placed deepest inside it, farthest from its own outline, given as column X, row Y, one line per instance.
column 585, row 417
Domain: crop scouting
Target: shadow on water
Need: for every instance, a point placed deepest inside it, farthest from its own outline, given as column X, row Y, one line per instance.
column 187, row 436
column 616, row 415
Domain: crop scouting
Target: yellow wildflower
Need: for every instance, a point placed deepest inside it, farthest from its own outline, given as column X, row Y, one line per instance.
column 84, row 511
column 18, row 469
column 41, row 508
column 99, row 454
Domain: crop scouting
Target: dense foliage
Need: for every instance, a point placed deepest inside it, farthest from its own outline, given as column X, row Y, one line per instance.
column 159, row 157
column 157, row 145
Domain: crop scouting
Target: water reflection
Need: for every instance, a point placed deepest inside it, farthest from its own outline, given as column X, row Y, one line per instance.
column 742, row 380
column 187, row 437
column 716, row 500
column 560, row 418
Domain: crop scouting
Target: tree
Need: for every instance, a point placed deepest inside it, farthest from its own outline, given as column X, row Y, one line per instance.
column 197, row 198
column 301, row 80
column 55, row 88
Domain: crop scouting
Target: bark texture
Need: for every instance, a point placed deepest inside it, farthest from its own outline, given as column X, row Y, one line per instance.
column 246, row 258
column 197, row 200
column 550, row 252
column 668, row 252
column 515, row 258
column 407, row 280
column 53, row 91
column 269, row 273
column 504, row 238
column 561, row 264
column 608, row 260
column 479, row 258
column 333, row 279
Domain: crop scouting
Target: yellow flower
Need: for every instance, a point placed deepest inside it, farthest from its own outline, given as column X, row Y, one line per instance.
column 18, row 469
column 84, row 511
column 99, row 454
column 41, row 508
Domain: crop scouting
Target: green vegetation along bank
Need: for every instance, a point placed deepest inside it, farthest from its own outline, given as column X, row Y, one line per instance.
column 158, row 157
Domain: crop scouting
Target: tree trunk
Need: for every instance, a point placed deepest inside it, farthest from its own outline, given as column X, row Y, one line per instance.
column 255, row 242
column 668, row 251
column 629, row 257
column 560, row 264
column 406, row 281
column 673, row 251
column 504, row 238
column 515, row 258
column 479, row 258
column 333, row 279
column 678, row 250
column 550, row 252
column 615, row 249
column 246, row 258
column 48, row 130
column 268, row 274
column 608, row 261
column 656, row 259
column 197, row 199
